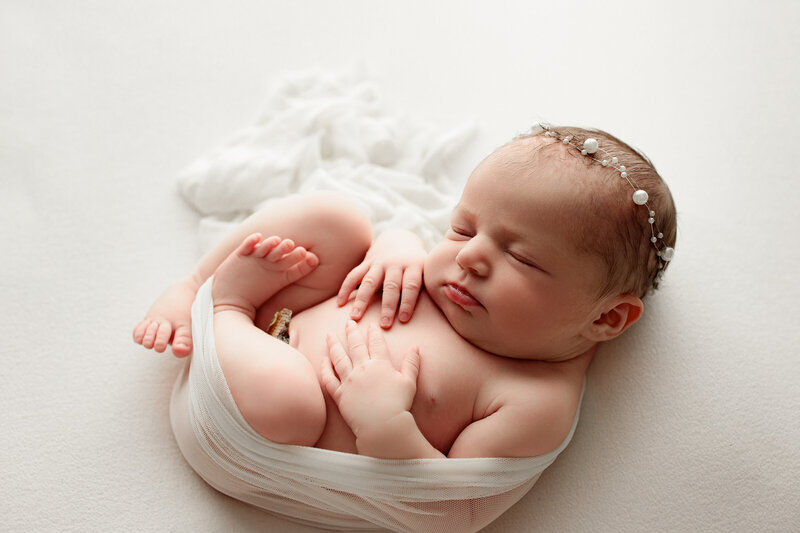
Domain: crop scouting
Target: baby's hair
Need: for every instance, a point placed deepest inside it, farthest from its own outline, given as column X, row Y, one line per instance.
column 619, row 232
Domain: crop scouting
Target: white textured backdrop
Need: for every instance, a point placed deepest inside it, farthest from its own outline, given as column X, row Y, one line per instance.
column 690, row 421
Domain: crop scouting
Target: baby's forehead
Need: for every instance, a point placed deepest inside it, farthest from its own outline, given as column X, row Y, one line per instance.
column 539, row 157
column 579, row 191
column 537, row 149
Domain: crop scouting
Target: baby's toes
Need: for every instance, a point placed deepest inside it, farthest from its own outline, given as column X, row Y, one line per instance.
column 162, row 336
column 294, row 256
column 150, row 335
column 277, row 253
column 266, row 246
column 248, row 244
column 182, row 343
column 139, row 330
column 303, row 267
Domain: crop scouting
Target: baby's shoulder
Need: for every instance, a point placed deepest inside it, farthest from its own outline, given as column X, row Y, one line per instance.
column 540, row 402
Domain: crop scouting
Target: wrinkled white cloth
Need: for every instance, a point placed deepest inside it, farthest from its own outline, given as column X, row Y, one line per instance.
column 327, row 488
column 322, row 130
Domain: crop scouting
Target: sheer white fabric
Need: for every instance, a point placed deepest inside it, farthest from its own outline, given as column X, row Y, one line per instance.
column 325, row 488
column 330, row 131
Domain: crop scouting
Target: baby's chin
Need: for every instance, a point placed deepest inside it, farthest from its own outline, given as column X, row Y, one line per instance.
column 467, row 330
column 499, row 345
column 493, row 346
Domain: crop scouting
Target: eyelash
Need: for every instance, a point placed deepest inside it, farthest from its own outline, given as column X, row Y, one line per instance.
column 521, row 260
column 464, row 233
column 459, row 231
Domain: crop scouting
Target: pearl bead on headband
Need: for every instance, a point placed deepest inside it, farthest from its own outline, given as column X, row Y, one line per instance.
column 589, row 148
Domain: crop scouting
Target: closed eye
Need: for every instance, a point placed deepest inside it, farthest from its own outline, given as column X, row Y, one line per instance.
column 526, row 262
column 520, row 259
column 460, row 231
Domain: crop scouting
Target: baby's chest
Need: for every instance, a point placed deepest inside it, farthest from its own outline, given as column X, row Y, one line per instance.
column 445, row 401
column 452, row 375
column 451, row 371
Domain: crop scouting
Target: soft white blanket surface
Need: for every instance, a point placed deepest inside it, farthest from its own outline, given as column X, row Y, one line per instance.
column 690, row 420
column 324, row 130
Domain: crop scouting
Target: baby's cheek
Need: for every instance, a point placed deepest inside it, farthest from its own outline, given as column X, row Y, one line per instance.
column 434, row 262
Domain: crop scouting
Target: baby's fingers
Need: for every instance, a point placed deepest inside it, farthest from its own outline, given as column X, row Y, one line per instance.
column 329, row 379
column 339, row 357
column 377, row 343
column 412, row 284
column 350, row 282
column 411, row 363
column 369, row 285
column 358, row 351
column 391, row 295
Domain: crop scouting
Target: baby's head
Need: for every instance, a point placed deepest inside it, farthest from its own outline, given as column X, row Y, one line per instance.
column 632, row 232
column 550, row 250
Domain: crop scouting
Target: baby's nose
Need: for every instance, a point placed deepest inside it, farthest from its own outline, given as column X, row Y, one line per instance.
column 474, row 258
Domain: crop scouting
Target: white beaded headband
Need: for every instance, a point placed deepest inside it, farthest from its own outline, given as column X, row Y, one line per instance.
column 589, row 148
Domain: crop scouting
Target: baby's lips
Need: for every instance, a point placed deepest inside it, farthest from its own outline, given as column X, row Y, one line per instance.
column 461, row 295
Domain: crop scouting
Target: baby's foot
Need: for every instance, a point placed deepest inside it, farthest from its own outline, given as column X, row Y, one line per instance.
column 258, row 269
column 169, row 321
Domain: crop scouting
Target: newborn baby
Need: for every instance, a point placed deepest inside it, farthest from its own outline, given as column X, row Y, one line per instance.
column 557, row 237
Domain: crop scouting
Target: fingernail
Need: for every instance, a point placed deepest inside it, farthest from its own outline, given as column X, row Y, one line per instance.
column 385, row 321
column 355, row 312
column 403, row 317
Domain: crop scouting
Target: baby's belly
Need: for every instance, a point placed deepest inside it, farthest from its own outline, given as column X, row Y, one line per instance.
column 448, row 381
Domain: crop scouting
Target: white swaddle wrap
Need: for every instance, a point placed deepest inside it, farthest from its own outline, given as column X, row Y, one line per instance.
column 327, row 488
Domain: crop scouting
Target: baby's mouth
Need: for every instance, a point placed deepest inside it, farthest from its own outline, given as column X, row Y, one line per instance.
column 460, row 295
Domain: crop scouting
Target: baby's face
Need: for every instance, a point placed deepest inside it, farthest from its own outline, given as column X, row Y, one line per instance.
column 508, row 275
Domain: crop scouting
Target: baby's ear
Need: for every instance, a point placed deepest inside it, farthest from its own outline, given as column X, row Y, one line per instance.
column 618, row 314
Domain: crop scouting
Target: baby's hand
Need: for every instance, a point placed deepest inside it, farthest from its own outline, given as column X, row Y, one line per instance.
column 395, row 262
column 366, row 387
column 169, row 321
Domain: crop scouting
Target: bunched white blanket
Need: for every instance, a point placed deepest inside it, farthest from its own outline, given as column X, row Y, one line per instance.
column 326, row 488
column 329, row 131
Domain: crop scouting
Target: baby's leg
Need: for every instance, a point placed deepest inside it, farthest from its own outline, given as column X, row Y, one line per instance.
column 328, row 225
column 273, row 384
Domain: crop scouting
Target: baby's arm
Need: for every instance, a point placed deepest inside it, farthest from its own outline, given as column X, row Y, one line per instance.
column 394, row 261
column 375, row 400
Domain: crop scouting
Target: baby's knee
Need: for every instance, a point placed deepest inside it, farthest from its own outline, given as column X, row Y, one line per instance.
column 292, row 409
column 341, row 218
